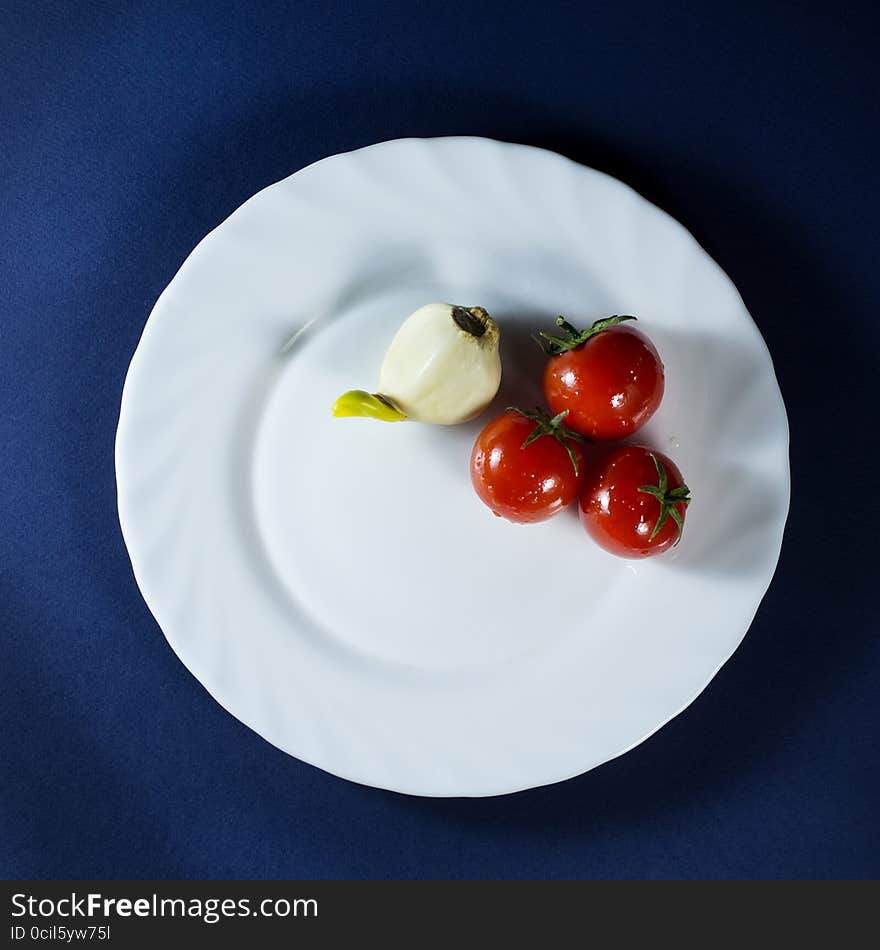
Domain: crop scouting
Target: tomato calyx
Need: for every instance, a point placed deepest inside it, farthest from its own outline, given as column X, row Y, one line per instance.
column 572, row 338
column 546, row 424
column 668, row 499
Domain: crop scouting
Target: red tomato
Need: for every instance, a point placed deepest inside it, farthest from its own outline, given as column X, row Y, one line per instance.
column 633, row 502
column 526, row 466
column 608, row 378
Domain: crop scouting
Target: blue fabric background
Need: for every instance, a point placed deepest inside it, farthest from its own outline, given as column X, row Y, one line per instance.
column 131, row 129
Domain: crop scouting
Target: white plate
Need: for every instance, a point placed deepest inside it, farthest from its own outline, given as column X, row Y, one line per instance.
column 336, row 584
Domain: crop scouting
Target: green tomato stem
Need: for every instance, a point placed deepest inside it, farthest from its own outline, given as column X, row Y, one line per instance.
column 667, row 499
column 552, row 427
column 554, row 345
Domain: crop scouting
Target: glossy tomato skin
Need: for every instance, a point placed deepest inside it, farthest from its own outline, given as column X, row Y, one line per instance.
column 619, row 517
column 611, row 385
column 524, row 485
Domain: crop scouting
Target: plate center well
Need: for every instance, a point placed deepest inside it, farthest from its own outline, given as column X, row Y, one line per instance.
column 375, row 531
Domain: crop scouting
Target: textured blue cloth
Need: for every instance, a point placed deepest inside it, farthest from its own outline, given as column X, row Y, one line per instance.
column 129, row 130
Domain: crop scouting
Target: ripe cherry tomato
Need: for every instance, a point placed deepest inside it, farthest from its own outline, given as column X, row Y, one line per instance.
column 609, row 378
column 633, row 502
column 526, row 466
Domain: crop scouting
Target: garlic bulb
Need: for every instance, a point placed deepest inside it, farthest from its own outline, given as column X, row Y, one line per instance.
column 443, row 366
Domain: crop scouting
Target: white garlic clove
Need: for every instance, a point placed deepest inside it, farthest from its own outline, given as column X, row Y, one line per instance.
column 443, row 366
